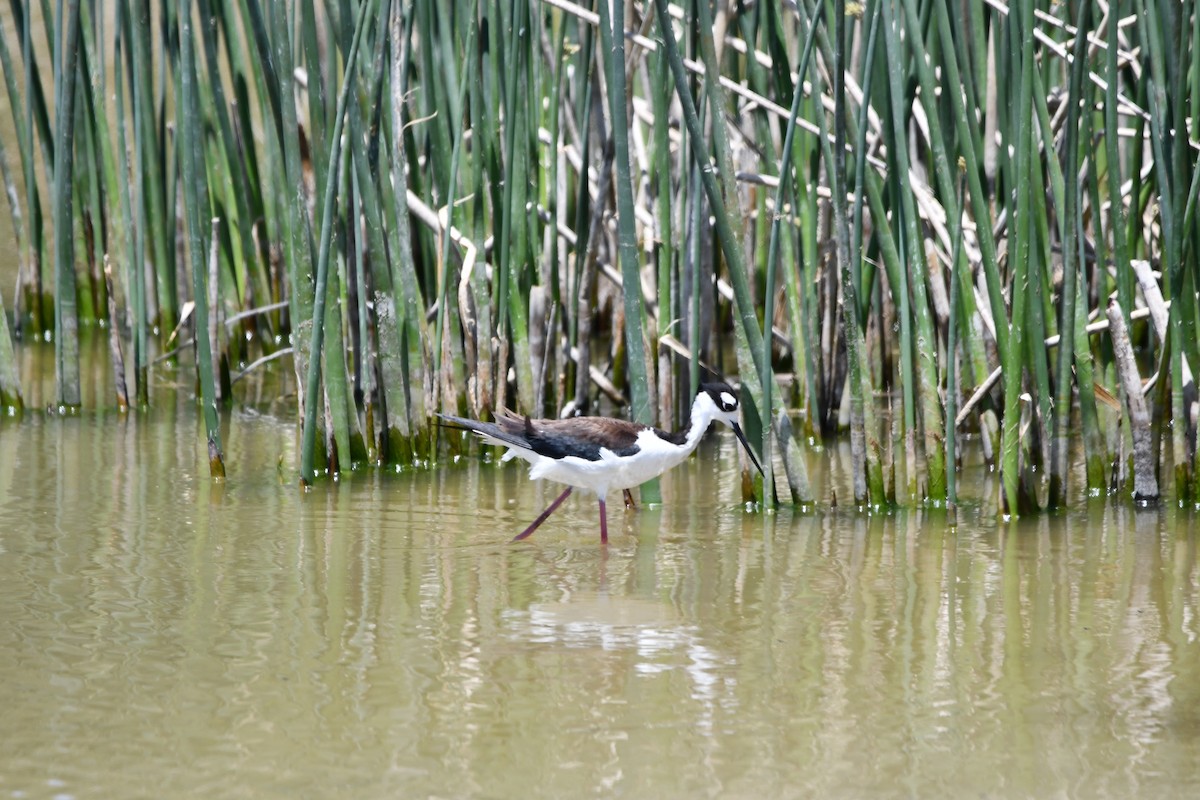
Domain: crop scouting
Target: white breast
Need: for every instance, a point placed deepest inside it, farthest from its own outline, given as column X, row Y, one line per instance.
column 610, row 471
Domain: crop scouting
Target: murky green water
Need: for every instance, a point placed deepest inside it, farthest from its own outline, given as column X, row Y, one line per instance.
column 164, row 637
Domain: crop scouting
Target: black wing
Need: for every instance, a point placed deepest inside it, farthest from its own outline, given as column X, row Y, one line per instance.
column 579, row 436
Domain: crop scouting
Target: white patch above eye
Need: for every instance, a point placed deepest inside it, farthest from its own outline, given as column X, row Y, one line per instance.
column 728, row 400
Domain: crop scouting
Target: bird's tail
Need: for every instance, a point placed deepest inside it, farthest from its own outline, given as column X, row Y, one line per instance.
column 488, row 430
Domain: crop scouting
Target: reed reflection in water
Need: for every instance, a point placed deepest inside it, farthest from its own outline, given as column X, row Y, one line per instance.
column 164, row 636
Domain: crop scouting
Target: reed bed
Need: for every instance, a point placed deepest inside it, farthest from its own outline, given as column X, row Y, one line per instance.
column 904, row 220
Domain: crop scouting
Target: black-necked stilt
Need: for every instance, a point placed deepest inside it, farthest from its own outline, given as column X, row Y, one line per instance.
column 601, row 453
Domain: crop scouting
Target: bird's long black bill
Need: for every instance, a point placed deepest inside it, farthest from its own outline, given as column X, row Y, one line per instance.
column 737, row 431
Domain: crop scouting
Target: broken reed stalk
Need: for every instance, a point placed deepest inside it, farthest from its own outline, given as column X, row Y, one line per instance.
column 1145, row 464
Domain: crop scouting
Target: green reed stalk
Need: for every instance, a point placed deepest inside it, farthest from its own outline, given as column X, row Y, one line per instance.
column 891, row 237
column 808, row 266
column 1189, row 220
column 553, row 176
column 14, row 208
column 312, row 389
column 782, row 195
column 937, row 139
column 36, row 116
column 947, row 196
column 367, row 204
column 406, row 332
column 759, row 411
column 515, row 293
column 1192, row 63
column 101, row 181
column 926, row 366
column 11, row 401
column 749, row 361
column 718, row 102
column 248, row 72
column 31, row 241
column 966, row 128
column 1095, row 446
column 269, row 78
column 153, row 195
column 369, row 120
column 1012, row 502
column 479, row 341
column 191, row 174
column 135, row 269
column 1171, row 161
column 297, row 232
column 612, row 37
column 801, row 304
column 693, row 157
column 864, row 270
column 1069, row 224
column 346, row 436
column 128, row 254
column 957, row 265
column 1116, row 205
column 1036, row 310
column 36, row 109
column 437, row 91
column 695, row 211
column 446, row 311
column 236, row 185
column 730, row 247
column 667, row 249
column 757, row 79
column 865, row 492
column 365, row 376
column 1139, row 197
column 87, row 224
column 500, row 107
column 449, row 63
column 1161, row 136
column 575, row 304
column 512, row 237
column 1183, row 321
column 66, row 333
column 729, row 243
column 320, row 69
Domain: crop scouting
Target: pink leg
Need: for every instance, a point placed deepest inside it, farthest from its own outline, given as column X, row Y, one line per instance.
column 537, row 522
column 629, row 504
column 603, row 523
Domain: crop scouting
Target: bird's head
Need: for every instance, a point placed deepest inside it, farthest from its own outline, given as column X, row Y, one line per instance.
column 720, row 401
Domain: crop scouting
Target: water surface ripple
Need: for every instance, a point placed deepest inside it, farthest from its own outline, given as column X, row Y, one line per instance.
column 164, row 637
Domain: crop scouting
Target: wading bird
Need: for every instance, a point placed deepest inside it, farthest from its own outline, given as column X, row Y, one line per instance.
column 602, row 453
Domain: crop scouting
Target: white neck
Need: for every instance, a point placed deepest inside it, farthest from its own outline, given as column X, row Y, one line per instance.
column 704, row 411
